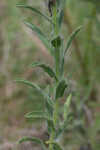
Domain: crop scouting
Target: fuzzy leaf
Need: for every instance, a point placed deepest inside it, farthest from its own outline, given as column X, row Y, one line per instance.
column 59, row 132
column 37, row 115
column 60, row 18
column 33, row 85
column 50, row 126
column 66, row 106
column 57, row 146
column 71, row 38
column 56, row 42
column 60, row 89
column 40, row 34
column 49, row 109
column 33, row 139
column 46, row 68
column 34, row 10
column 65, row 125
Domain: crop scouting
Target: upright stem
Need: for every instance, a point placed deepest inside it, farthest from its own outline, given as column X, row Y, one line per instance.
column 55, row 20
column 56, row 105
column 51, row 140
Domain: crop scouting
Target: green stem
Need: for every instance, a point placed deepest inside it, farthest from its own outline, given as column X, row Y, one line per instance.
column 52, row 136
column 55, row 113
column 55, row 121
column 56, row 32
column 55, row 20
column 56, row 105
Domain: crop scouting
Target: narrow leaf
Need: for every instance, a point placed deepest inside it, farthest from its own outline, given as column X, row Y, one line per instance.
column 60, row 18
column 50, row 126
column 71, row 38
column 57, row 146
column 33, row 139
column 34, row 10
column 59, row 132
column 46, row 68
column 33, row 85
column 60, row 89
column 37, row 115
column 49, row 109
column 65, row 125
column 67, row 106
column 40, row 34
column 56, row 42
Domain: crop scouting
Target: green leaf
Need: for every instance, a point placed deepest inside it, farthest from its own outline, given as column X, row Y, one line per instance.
column 60, row 89
column 33, row 85
column 71, row 38
column 37, row 115
column 50, row 126
column 59, row 131
column 67, row 106
column 33, row 139
column 34, row 10
column 60, row 18
column 65, row 125
column 46, row 68
column 49, row 109
column 40, row 34
column 56, row 146
column 56, row 42
column 57, row 45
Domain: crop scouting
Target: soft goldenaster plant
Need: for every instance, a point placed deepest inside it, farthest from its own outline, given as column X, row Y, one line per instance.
column 55, row 125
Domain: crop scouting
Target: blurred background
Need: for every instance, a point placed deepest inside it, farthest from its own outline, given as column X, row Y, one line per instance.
column 19, row 47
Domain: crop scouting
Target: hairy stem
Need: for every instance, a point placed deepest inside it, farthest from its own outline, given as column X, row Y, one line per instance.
column 56, row 105
column 51, row 140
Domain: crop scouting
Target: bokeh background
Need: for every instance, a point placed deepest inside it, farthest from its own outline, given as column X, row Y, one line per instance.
column 19, row 47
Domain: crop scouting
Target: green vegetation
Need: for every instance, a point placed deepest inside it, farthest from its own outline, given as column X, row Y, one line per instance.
column 20, row 46
column 55, row 46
